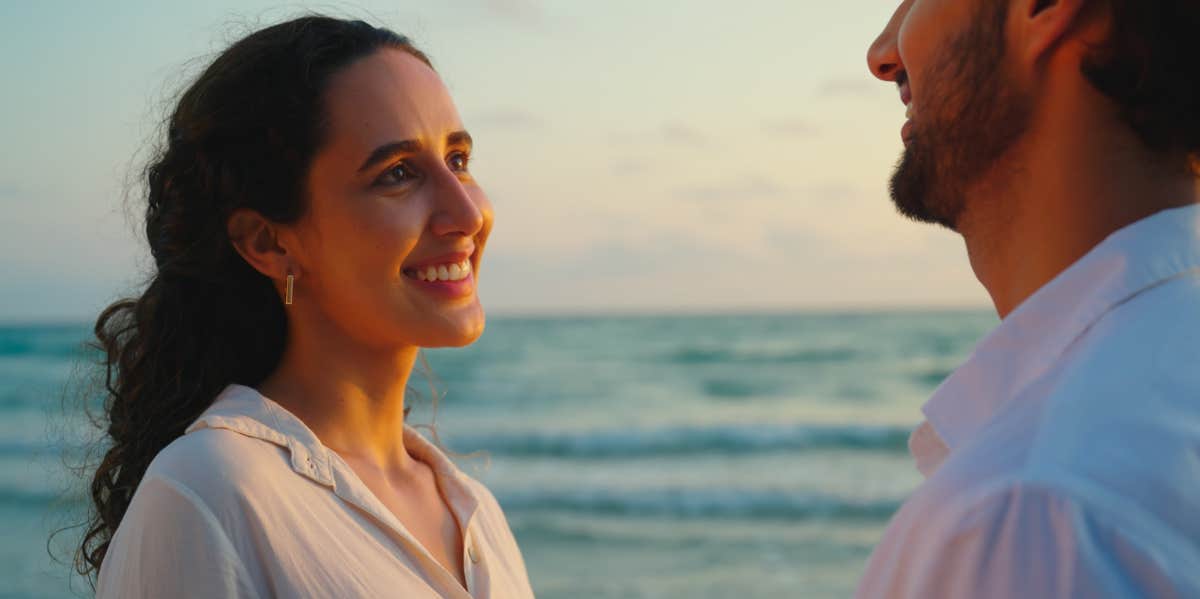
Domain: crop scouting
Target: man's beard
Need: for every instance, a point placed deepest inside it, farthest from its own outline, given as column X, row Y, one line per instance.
column 969, row 115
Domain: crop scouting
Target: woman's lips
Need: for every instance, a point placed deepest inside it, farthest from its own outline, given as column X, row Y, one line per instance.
column 464, row 287
column 451, row 279
column 446, row 271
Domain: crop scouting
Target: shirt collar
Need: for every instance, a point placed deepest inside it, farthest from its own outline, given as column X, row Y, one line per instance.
column 1029, row 341
column 244, row 410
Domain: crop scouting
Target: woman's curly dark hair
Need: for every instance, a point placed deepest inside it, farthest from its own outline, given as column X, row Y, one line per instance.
column 1149, row 68
column 242, row 135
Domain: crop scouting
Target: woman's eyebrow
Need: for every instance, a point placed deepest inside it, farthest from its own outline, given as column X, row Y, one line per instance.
column 390, row 150
column 459, row 138
column 411, row 146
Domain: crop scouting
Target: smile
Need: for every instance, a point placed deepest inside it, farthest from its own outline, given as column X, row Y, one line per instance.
column 454, row 271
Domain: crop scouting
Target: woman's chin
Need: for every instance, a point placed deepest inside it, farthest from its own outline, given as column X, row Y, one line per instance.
column 461, row 341
column 455, row 331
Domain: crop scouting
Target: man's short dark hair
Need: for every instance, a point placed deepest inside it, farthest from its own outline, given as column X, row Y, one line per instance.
column 1150, row 67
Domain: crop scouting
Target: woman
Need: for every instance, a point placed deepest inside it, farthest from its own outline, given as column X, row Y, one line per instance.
column 313, row 223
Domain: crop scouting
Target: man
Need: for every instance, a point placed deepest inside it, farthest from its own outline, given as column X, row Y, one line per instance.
column 1060, row 138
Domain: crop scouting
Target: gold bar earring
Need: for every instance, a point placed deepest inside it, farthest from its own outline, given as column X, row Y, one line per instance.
column 287, row 298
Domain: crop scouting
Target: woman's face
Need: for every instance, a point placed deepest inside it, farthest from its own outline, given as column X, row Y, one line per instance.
column 396, row 225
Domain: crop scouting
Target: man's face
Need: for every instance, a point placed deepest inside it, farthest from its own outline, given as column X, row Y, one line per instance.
column 965, row 111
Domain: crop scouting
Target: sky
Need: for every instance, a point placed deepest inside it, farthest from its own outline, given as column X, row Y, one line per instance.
column 642, row 155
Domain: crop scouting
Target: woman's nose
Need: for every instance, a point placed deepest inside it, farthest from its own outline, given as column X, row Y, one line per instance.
column 456, row 211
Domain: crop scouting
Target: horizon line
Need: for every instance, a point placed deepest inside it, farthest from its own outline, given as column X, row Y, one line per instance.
column 625, row 312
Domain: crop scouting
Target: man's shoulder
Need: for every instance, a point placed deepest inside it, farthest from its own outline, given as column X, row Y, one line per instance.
column 1127, row 393
column 1125, row 384
column 1112, row 426
column 1149, row 340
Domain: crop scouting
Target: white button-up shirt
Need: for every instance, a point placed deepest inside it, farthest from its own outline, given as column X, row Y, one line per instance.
column 248, row 503
column 1063, row 458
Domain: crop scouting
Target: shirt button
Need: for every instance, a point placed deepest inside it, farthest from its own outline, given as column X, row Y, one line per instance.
column 472, row 554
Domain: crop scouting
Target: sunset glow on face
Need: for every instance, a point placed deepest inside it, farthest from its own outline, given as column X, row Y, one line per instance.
column 396, row 226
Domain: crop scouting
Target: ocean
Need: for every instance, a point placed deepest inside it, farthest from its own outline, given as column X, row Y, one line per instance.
column 636, row 457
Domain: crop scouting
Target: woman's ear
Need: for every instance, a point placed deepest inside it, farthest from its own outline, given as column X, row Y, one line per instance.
column 257, row 239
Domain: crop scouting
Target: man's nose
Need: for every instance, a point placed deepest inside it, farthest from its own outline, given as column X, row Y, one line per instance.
column 883, row 57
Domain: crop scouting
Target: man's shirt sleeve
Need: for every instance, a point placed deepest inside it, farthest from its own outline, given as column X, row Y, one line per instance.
column 1019, row 541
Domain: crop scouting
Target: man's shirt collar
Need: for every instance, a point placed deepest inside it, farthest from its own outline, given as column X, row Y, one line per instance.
column 1031, row 339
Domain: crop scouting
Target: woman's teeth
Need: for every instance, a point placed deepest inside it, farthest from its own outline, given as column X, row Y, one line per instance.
column 445, row 272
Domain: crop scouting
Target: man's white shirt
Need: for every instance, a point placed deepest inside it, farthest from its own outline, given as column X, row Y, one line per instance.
column 1062, row 459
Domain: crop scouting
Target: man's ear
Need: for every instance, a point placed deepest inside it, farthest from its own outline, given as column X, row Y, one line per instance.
column 257, row 239
column 1042, row 25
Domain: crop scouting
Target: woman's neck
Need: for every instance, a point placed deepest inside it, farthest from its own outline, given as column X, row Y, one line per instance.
column 350, row 395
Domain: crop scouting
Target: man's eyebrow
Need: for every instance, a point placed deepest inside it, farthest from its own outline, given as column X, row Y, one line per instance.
column 389, row 150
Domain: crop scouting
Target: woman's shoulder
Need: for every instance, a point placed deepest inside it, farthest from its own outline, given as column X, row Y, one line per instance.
column 216, row 462
column 183, row 533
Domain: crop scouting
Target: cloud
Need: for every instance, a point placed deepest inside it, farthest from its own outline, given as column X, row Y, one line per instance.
column 10, row 190
column 834, row 192
column 507, row 118
column 792, row 128
column 859, row 87
column 15, row 192
column 523, row 11
column 740, row 190
column 631, row 166
column 679, row 133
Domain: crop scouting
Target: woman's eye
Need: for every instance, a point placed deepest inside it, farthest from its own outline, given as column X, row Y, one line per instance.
column 401, row 173
column 458, row 162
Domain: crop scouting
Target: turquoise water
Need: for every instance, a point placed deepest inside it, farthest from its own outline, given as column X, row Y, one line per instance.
column 705, row 456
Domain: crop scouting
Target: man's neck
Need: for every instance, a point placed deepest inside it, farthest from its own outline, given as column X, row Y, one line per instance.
column 1065, row 189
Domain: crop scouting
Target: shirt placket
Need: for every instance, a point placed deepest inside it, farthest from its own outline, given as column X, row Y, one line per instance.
column 474, row 568
column 358, row 496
